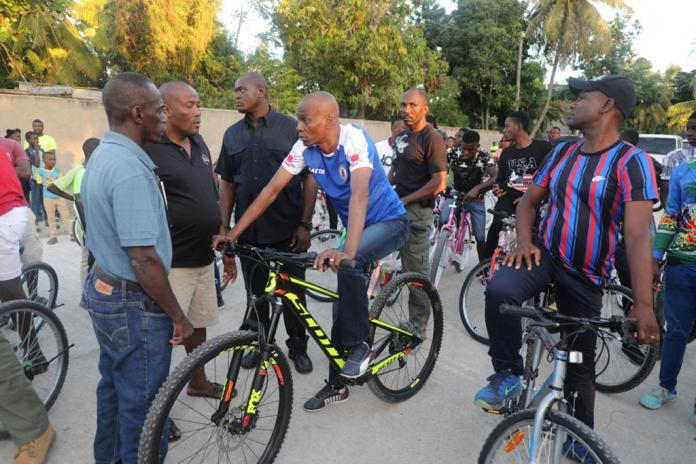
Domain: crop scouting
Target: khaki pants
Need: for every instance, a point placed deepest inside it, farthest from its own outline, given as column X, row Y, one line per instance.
column 414, row 258
column 53, row 204
column 21, row 410
column 194, row 289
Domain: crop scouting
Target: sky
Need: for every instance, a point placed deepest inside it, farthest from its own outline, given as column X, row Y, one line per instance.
column 668, row 35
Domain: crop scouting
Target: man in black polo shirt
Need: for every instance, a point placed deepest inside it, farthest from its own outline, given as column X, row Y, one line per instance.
column 252, row 151
column 419, row 173
column 184, row 166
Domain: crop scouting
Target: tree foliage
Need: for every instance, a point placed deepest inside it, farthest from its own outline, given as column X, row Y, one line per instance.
column 365, row 52
column 40, row 43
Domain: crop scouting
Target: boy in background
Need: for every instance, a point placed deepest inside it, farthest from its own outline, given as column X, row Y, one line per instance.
column 47, row 175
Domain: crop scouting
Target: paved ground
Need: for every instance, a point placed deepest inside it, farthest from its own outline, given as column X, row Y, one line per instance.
column 439, row 425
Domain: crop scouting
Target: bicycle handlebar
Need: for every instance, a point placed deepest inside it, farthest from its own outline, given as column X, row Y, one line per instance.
column 305, row 259
column 623, row 325
column 501, row 214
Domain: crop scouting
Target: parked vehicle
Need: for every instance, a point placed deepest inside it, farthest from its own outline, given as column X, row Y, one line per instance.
column 658, row 145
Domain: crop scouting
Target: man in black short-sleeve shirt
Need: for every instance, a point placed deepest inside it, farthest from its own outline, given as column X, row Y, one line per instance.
column 252, row 151
column 419, row 173
column 184, row 167
column 516, row 168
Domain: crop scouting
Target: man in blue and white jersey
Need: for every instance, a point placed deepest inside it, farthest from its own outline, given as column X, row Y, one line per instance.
column 344, row 162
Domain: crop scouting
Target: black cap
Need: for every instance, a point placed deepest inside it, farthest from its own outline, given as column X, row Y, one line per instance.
column 618, row 88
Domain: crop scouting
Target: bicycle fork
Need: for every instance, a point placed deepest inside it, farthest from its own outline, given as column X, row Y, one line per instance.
column 555, row 395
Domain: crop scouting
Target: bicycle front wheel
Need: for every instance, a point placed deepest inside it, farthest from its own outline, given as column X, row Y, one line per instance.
column 203, row 440
column 509, row 442
column 404, row 377
column 620, row 366
column 472, row 301
column 40, row 283
column 38, row 338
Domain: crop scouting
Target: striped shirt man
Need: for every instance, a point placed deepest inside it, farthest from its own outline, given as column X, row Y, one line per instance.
column 587, row 193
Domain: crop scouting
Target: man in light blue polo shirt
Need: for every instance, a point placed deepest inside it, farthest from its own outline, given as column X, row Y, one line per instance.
column 135, row 315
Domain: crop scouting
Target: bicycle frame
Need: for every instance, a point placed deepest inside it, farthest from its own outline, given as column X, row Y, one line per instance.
column 279, row 290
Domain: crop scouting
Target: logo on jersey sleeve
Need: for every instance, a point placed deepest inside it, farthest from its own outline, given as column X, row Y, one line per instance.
column 288, row 160
column 354, row 159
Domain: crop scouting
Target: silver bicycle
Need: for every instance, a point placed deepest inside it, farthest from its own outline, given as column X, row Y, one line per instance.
column 538, row 427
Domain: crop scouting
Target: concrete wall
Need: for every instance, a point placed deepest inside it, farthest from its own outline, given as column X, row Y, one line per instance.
column 70, row 121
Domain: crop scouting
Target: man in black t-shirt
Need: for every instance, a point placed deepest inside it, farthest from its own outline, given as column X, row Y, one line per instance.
column 516, row 168
column 185, row 169
column 419, row 173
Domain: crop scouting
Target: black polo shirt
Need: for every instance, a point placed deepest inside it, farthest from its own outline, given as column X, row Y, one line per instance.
column 192, row 201
column 249, row 158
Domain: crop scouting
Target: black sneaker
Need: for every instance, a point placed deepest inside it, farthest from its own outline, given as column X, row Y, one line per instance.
column 358, row 361
column 325, row 396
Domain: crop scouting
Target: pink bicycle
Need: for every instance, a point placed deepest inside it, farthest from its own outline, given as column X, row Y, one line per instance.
column 451, row 241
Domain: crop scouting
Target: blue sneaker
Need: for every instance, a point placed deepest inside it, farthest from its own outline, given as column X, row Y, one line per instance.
column 501, row 386
column 577, row 452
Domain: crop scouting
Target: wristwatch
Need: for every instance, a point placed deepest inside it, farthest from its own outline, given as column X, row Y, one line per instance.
column 306, row 225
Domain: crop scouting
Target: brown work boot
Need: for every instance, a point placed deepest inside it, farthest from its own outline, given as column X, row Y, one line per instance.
column 35, row 451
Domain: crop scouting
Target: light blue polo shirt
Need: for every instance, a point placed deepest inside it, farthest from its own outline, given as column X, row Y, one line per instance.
column 123, row 205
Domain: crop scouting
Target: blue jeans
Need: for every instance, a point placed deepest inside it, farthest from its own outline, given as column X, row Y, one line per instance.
column 680, row 313
column 133, row 334
column 350, row 314
column 477, row 211
column 37, row 205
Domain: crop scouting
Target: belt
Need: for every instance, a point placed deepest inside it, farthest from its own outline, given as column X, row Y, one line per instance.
column 674, row 261
column 119, row 284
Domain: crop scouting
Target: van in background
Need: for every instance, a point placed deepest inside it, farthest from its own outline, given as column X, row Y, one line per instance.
column 658, row 145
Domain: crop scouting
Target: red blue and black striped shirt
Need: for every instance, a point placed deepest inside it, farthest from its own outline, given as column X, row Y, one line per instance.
column 587, row 193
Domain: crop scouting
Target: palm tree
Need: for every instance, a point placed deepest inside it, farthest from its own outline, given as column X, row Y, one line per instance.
column 567, row 30
column 44, row 44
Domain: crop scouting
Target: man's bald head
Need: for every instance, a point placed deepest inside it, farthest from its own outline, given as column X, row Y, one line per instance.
column 182, row 108
column 414, row 108
column 125, row 91
column 317, row 120
column 172, row 91
column 320, row 103
column 251, row 93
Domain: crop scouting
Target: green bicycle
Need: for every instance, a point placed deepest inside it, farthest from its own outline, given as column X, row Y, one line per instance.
column 249, row 421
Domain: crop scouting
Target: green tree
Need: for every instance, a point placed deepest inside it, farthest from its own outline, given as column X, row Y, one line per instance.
column 40, row 42
column 220, row 66
column 568, row 30
column 620, row 55
column 444, row 105
column 479, row 41
column 284, row 83
column 365, row 52
column 163, row 39
column 678, row 113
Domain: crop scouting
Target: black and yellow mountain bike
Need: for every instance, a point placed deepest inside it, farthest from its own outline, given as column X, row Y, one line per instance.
column 249, row 421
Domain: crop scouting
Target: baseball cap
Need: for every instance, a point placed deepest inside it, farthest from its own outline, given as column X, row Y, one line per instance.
column 619, row 88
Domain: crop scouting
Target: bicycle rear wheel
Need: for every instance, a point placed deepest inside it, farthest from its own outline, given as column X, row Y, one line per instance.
column 201, row 439
column 40, row 283
column 38, row 339
column 510, row 440
column 621, row 366
column 472, row 301
column 407, row 375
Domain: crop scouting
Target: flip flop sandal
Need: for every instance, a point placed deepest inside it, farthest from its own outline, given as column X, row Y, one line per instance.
column 174, row 432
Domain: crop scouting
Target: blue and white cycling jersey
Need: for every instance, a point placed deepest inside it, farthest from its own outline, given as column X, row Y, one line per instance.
column 332, row 172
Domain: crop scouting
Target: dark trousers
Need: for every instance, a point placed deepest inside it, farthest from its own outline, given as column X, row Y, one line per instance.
column 504, row 204
column 255, row 278
column 575, row 296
